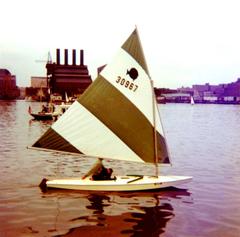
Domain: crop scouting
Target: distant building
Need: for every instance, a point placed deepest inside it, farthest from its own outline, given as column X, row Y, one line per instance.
column 22, row 93
column 232, row 89
column 62, row 79
column 38, row 90
column 177, row 97
column 222, row 93
column 39, row 82
column 160, row 94
column 65, row 78
column 208, row 93
column 8, row 87
column 187, row 90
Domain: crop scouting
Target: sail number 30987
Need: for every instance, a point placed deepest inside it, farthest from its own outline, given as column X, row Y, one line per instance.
column 127, row 84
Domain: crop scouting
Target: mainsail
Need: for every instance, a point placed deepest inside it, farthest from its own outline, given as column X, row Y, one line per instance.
column 114, row 118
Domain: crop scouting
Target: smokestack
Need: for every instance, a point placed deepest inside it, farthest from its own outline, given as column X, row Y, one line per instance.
column 58, row 56
column 81, row 57
column 74, row 57
column 66, row 56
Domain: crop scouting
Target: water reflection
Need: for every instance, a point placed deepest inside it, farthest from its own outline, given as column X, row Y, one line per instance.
column 97, row 203
column 31, row 121
column 114, row 214
column 212, row 158
column 151, row 222
column 43, row 124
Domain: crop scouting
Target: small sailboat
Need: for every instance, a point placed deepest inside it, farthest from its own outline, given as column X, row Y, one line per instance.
column 48, row 112
column 120, row 108
column 43, row 116
column 66, row 98
column 192, row 100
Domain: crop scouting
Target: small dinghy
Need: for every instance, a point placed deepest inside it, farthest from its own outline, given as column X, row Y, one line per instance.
column 115, row 118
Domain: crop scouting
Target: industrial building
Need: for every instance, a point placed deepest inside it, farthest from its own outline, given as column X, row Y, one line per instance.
column 8, row 87
column 72, row 79
column 39, row 82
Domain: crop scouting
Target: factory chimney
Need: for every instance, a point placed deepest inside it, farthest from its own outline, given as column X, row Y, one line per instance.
column 74, row 57
column 66, row 56
column 58, row 56
column 81, row 57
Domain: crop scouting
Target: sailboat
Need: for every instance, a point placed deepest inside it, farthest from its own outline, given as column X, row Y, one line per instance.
column 44, row 114
column 115, row 118
column 192, row 101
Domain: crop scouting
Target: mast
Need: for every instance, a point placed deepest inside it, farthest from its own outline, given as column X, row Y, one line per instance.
column 154, row 129
column 154, row 112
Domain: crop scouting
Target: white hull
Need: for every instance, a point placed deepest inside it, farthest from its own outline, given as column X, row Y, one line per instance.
column 122, row 183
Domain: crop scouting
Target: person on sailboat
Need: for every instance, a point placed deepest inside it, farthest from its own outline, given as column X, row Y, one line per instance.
column 51, row 107
column 44, row 109
column 29, row 109
column 99, row 172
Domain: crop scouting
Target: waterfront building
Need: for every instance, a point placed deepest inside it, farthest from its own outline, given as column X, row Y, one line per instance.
column 177, row 97
column 38, row 90
column 38, row 82
column 8, row 87
column 72, row 79
column 210, row 99
column 22, row 95
column 222, row 93
column 208, row 93
column 232, row 92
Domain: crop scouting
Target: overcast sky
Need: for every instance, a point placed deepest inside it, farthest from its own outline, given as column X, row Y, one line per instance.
column 185, row 42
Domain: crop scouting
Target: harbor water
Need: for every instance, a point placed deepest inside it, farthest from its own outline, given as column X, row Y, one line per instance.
column 203, row 140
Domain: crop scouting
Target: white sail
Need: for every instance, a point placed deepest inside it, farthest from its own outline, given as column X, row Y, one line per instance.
column 66, row 97
column 192, row 101
column 114, row 117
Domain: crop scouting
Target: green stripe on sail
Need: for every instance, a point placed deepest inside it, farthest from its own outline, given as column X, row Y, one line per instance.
column 53, row 141
column 126, row 121
column 133, row 46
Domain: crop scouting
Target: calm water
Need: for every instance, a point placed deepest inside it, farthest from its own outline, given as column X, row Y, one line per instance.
column 204, row 141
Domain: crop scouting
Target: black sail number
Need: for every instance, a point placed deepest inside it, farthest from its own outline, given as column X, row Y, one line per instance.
column 126, row 83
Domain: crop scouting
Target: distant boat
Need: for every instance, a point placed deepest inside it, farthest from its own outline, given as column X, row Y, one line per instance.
column 66, row 97
column 115, row 118
column 48, row 113
column 192, row 100
column 43, row 114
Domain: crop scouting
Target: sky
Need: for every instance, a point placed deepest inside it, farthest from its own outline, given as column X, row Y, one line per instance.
column 185, row 42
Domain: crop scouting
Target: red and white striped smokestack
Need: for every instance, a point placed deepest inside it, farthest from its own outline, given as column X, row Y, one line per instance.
column 81, row 57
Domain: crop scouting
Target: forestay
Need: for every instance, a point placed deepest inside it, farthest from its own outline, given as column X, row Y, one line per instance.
column 114, row 118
